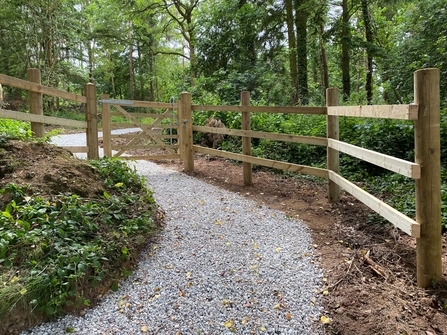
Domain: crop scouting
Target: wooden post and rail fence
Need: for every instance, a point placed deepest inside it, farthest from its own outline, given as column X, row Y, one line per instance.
column 38, row 120
column 425, row 113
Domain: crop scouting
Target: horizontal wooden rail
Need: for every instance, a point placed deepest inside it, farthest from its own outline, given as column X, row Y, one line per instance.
column 401, row 112
column 266, row 135
column 155, row 157
column 76, row 149
column 8, row 114
column 143, row 115
column 262, row 109
column 317, row 172
column 391, row 163
column 33, row 87
column 410, row 226
column 149, row 104
column 116, row 125
column 140, row 147
column 131, row 136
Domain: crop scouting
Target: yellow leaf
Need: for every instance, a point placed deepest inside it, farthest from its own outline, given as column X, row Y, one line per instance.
column 202, row 202
column 23, row 291
column 144, row 329
column 262, row 328
column 119, row 184
column 157, row 296
column 325, row 320
column 326, row 292
column 229, row 324
column 228, row 243
column 255, row 267
column 14, row 279
column 277, row 306
column 278, row 249
column 245, row 320
column 255, row 246
column 169, row 266
column 189, row 284
column 188, row 274
column 218, row 223
column 306, row 254
column 155, row 247
column 122, row 303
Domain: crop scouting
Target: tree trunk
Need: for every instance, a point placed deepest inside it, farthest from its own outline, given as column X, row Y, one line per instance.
column 345, row 39
column 292, row 51
column 131, row 75
column 301, row 37
column 369, row 40
column 324, row 65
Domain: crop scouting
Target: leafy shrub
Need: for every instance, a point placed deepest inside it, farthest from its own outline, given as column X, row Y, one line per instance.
column 52, row 249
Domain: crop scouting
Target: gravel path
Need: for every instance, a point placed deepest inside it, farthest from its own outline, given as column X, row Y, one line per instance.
column 222, row 265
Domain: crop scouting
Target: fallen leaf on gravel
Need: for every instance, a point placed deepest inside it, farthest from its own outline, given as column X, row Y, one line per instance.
column 255, row 246
column 326, row 292
column 230, row 325
column 325, row 320
column 262, row 328
column 288, row 316
column 144, row 329
column 278, row 249
column 245, row 320
column 188, row 274
column 277, row 306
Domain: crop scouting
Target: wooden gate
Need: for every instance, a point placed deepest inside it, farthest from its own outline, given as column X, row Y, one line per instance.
column 139, row 129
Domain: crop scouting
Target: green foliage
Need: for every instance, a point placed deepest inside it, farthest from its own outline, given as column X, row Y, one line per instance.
column 15, row 129
column 52, row 249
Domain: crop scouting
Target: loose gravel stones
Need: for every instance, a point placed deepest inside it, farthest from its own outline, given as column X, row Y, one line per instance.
column 222, row 265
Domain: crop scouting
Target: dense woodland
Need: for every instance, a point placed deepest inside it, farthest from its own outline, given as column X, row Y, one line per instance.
column 284, row 52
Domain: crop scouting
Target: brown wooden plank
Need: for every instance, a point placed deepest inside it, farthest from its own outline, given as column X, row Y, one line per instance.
column 266, row 135
column 262, row 109
column 29, row 86
column 8, row 114
column 401, row 112
column 317, row 172
column 409, row 226
column 155, row 157
column 142, row 115
column 403, row 167
column 140, row 147
column 76, row 149
column 145, row 129
column 136, row 103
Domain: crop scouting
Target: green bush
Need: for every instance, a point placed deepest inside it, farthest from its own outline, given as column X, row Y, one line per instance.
column 52, row 249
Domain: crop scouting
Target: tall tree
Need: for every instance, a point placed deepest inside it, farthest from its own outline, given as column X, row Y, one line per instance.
column 369, row 52
column 302, row 14
column 292, row 50
column 345, row 43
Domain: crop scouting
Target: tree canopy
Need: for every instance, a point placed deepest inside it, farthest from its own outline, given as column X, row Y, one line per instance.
column 283, row 52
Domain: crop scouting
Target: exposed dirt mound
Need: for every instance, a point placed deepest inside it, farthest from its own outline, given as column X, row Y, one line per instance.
column 46, row 170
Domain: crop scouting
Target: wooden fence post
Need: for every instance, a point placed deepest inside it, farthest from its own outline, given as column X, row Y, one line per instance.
column 91, row 116
column 246, row 140
column 106, row 131
column 428, row 187
column 185, row 132
column 333, row 156
column 1, row 94
column 36, row 103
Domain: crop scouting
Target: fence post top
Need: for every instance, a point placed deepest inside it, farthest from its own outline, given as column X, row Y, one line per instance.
column 428, row 70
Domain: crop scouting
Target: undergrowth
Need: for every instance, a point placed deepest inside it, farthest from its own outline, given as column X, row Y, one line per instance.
column 53, row 250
